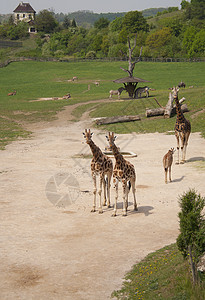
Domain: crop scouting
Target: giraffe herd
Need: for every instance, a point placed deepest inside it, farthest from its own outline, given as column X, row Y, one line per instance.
column 123, row 170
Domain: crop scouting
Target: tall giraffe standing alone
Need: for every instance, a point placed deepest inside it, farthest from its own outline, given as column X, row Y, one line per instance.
column 123, row 171
column 182, row 127
column 100, row 165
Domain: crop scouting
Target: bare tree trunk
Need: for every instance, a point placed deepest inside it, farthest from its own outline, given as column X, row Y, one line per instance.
column 118, row 119
column 193, row 266
column 169, row 106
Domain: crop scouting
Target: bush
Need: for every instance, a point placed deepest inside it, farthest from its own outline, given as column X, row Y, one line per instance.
column 191, row 240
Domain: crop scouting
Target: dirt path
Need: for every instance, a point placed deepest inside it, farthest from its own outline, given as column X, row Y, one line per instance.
column 51, row 252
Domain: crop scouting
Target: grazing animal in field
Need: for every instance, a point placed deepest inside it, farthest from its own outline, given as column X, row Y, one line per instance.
column 75, row 78
column 12, row 94
column 100, row 165
column 123, row 172
column 181, row 84
column 167, row 163
column 182, row 127
column 116, row 92
column 67, row 96
column 97, row 83
column 141, row 90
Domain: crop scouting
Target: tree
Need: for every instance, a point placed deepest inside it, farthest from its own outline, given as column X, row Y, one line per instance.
column 184, row 4
column 45, row 22
column 134, row 21
column 73, row 23
column 66, row 22
column 198, row 46
column 101, row 23
column 191, row 240
column 159, row 38
column 116, row 25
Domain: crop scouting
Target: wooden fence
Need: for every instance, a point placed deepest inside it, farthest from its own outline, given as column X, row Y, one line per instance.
column 145, row 59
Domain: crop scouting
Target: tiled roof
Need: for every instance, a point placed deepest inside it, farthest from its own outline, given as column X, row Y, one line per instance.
column 24, row 8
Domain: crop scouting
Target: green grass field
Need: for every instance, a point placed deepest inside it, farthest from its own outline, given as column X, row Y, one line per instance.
column 33, row 80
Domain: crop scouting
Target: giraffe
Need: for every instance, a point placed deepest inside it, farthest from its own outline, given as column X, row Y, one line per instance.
column 182, row 128
column 124, row 172
column 100, row 165
column 167, row 163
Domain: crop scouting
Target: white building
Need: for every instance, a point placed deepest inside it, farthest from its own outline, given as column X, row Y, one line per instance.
column 24, row 12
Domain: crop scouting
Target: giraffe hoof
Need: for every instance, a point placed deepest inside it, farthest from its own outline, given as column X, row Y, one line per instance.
column 109, row 206
column 135, row 209
column 100, row 211
column 93, row 210
column 177, row 163
column 114, row 215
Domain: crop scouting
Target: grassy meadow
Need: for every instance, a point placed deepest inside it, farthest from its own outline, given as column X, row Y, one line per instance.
column 33, row 80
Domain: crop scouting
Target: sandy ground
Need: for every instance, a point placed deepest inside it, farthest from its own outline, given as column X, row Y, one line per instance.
column 51, row 252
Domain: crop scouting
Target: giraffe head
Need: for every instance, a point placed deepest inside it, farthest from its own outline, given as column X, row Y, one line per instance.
column 111, row 138
column 88, row 135
column 172, row 150
column 175, row 91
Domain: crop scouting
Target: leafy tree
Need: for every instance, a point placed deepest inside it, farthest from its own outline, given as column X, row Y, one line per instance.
column 188, row 38
column 45, row 21
column 116, row 25
column 101, row 23
column 198, row 46
column 117, row 50
column 184, row 4
column 191, row 240
column 196, row 10
column 66, row 22
column 73, row 23
column 134, row 21
column 122, row 37
column 159, row 38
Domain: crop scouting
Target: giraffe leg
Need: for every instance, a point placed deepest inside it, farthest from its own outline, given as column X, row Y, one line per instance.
column 104, row 189
column 94, row 193
column 109, row 175
column 116, row 198
column 185, row 145
column 170, row 174
column 165, row 171
column 177, row 137
column 100, row 193
column 134, row 191
column 124, row 187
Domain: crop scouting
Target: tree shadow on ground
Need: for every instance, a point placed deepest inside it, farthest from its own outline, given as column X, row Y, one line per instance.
column 197, row 158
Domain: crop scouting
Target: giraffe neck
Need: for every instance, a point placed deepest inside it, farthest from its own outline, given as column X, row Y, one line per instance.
column 118, row 156
column 95, row 150
column 180, row 116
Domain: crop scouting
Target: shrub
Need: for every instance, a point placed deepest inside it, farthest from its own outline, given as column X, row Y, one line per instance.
column 191, row 240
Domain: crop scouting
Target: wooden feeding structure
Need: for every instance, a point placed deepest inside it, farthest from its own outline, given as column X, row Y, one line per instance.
column 130, row 84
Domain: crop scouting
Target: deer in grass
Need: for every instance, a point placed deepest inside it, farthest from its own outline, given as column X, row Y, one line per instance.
column 12, row 94
column 167, row 163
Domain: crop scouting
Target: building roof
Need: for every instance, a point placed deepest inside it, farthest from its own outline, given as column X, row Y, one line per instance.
column 130, row 79
column 24, row 8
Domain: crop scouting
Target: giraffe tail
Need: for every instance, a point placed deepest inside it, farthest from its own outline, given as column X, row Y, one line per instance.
column 129, row 185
